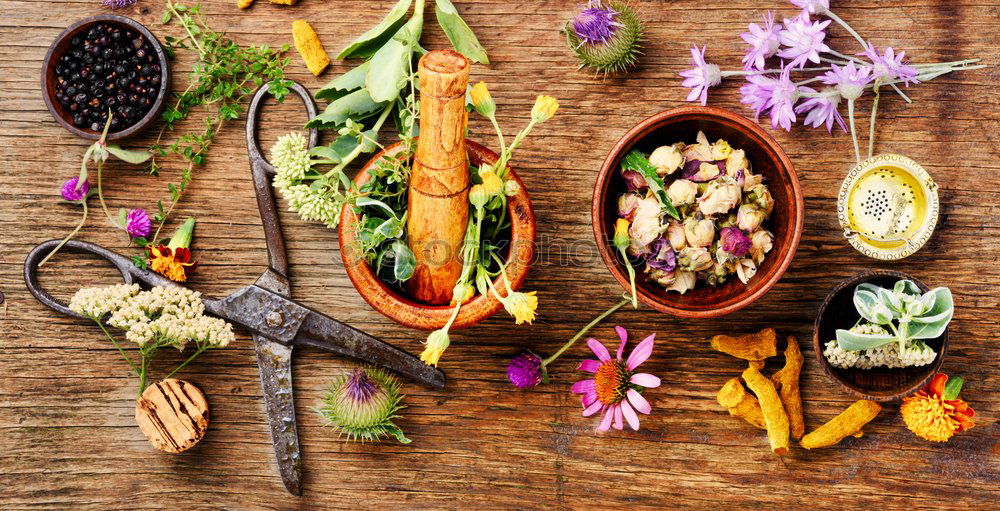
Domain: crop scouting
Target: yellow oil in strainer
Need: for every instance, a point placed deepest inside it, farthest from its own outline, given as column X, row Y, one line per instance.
column 888, row 207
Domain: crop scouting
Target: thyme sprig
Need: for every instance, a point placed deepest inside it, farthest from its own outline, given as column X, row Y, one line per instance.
column 222, row 78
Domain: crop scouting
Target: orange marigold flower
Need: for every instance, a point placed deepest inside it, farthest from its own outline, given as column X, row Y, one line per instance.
column 935, row 413
column 172, row 264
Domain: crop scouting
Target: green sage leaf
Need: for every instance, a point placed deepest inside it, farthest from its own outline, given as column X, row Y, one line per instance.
column 637, row 161
column 368, row 44
column 459, row 33
column 932, row 323
column 389, row 68
column 864, row 302
column 357, row 105
column 852, row 341
column 131, row 156
column 344, row 84
column 405, row 262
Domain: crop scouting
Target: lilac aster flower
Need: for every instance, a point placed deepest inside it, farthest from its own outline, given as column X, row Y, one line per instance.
column 803, row 40
column 849, row 80
column 890, row 66
column 821, row 109
column 72, row 192
column 813, row 6
column 596, row 24
column 118, row 4
column 525, row 370
column 734, row 241
column 777, row 96
column 763, row 42
column 702, row 77
column 137, row 223
column 756, row 92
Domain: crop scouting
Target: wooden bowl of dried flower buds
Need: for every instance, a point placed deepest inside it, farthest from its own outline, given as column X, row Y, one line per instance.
column 707, row 209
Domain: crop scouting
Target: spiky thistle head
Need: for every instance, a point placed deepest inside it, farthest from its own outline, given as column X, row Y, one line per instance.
column 361, row 404
column 606, row 36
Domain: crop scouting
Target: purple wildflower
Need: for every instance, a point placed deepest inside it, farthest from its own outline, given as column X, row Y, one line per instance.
column 763, row 42
column 803, row 40
column 137, row 223
column 72, row 191
column 756, row 93
column 734, row 241
column 777, row 96
column 813, row 6
column 596, row 23
column 118, row 4
column 702, row 77
column 360, row 387
column 890, row 66
column 821, row 109
column 525, row 370
column 662, row 257
column 849, row 80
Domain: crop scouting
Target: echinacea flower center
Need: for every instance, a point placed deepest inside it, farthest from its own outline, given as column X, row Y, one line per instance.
column 611, row 381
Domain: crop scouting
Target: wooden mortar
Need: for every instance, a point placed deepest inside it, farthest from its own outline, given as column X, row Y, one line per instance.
column 439, row 182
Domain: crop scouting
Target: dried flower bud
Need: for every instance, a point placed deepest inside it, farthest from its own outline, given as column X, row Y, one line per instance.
column 694, row 259
column 720, row 196
column 761, row 242
column 676, row 236
column 745, row 269
column 667, row 159
column 634, row 181
column 683, row 282
column 663, row 278
column 699, row 233
column 511, row 188
column 721, row 150
column 682, row 192
column 662, row 256
column 734, row 241
column 646, row 225
column 751, row 180
column 716, row 274
column 627, row 204
column 761, row 197
column 749, row 217
column 737, row 161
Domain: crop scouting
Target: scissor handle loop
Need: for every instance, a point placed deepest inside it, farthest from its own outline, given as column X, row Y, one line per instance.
column 253, row 119
column 130, row 274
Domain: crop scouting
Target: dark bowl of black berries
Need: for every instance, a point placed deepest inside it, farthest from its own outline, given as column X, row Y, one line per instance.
column 105, row 67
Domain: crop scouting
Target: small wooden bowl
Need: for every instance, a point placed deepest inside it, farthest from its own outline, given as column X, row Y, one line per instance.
column 766, row 157
column 410, row 313
column 878, row 383
column 61, row 45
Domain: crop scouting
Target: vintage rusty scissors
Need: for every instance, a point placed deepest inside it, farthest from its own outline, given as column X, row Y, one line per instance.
column 276, row 323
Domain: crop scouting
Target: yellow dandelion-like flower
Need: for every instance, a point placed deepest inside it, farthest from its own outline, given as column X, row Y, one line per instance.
column 482, row 100
column 492, row 184
column 545, row 107
column 437, row 342
column 522, row 306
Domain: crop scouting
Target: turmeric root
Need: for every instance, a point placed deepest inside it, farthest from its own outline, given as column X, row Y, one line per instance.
column 243, row 4
column 786, row 380
column 848, row 423
column 284, row 2
column 309, row 47
column 740, row 403
column 775, row 417
column 753, row 347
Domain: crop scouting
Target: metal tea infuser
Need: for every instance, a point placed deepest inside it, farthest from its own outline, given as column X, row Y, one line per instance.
column 276, row 323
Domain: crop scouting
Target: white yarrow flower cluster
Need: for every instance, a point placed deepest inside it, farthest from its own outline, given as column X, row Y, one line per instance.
column 915, row 353
column 168, row 315
column 290, row 157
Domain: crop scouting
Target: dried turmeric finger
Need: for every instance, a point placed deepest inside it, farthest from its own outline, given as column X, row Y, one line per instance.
column 243, row 4
column 848, row 423
column 787, row 382
column 740, row 403
column 775, row 417
column 309, row 47
column 758, row 364
column 758, row 346
column 284, row 2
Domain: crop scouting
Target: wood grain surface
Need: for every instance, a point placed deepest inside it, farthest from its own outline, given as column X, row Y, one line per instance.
column 68, row 438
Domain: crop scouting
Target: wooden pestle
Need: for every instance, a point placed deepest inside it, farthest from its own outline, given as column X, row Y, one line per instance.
column 439, row 181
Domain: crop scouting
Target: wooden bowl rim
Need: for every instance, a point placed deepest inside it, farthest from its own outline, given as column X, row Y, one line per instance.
column 630, row 139
column 850, row 388
column 154, row 111
column 408, row 312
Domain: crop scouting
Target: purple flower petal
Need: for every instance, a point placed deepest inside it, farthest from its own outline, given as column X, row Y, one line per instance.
column 589, row 365
column 661, row 257
column 618, row 417
column 599, row 350
column 606, row 420
column 596, row 24
column 640, row 353
column 592, row 409
column 72, row 190
column 639, row 402
column 803, row 40
column 645, row 380
column 137, row 223
column 734, row 241
column 630, row 416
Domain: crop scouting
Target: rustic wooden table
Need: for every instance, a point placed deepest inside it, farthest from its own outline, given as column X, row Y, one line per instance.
column 68, row 439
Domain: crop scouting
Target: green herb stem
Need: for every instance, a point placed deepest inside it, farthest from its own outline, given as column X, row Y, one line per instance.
column 79, row 226
column 201, row 349
column 111, row 338
column 584, row 330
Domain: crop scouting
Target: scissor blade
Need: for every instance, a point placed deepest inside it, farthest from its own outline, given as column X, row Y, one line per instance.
column 275, row 363
column 328, row 334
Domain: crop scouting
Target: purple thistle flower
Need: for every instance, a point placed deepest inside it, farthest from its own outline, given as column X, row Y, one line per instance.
column 821, row 109
column 803, row 40
column 763, row 42
column 849, row 80
column 359, row 387
column 813, row 6
column 72, row 192
column 137, row 223
column 525, row 370
column 702, row 77
column 118, row 4
column 596, row 23
column 890, row 66
column 734, row 241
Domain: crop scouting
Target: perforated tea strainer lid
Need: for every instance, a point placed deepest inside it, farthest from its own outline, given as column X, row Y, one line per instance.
column 888, row 207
